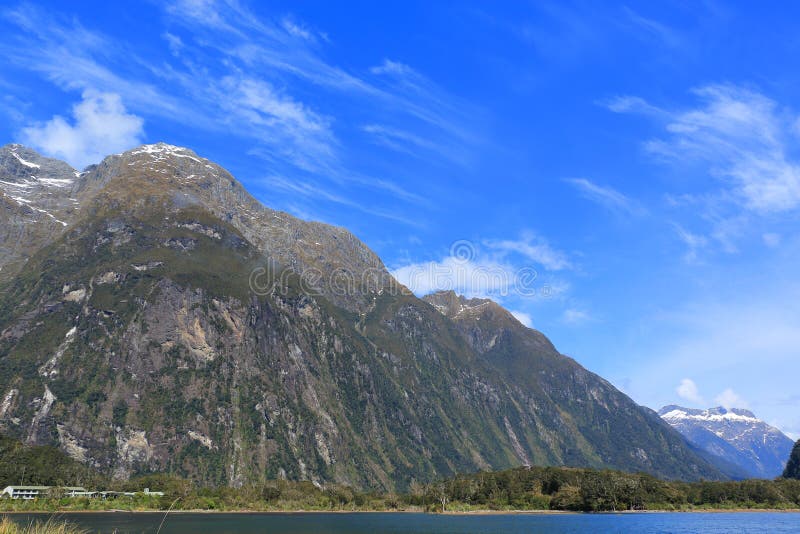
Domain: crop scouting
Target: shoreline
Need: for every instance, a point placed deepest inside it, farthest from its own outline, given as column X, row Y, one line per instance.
column 448, row 513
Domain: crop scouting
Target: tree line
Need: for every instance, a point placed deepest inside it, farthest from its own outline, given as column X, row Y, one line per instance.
column 524, row 488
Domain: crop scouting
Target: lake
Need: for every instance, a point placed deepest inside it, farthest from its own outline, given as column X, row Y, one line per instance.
column 402, row 523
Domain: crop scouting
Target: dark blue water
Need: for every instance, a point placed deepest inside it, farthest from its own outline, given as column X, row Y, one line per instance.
column 399, row 523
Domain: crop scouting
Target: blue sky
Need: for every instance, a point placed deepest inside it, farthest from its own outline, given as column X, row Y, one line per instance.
column 624, row 177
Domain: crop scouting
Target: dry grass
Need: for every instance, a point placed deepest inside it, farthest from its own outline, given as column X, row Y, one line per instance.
column 51, row 526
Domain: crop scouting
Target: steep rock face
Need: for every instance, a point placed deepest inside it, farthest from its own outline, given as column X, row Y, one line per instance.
column 330, row 260
column 575, row 417
column 736, row 436
column 136, row 341
column 157, row 356
column 36, row 204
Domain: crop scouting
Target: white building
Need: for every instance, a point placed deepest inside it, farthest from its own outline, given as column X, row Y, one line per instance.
column 24, row 492
column 33, row 492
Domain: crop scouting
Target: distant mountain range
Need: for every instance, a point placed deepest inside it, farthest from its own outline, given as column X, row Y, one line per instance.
column 154, row 316
column 737, row 441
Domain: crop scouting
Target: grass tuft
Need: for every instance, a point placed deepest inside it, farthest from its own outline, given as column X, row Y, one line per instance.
column 51, row 526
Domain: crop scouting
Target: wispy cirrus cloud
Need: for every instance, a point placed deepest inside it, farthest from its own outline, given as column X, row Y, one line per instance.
column 575, row 316
column 228, row 69
column 311, row 189
column 607, row 197
column 740, row 135
column 695, row 243
column 533, row 248
column 743, row 141
column 651, row 28
column 393, row 67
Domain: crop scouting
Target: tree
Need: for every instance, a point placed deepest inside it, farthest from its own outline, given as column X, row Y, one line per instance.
column 793, row 465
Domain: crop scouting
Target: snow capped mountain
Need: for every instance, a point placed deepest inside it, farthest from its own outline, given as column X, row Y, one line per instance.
column 138, row 339
column 735, row 436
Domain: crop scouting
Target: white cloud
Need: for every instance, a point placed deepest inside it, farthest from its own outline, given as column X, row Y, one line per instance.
column 392, row 67
column 249, row 76
column 739, row 146
column 296, row 131
column 575, row 316
column 771, row 239
column 495, row 268
column 202, row 11
column 693, row 242
column 730, row 399
column 297, row 30
column 740, row 135
column 174, row 42
column 533, row 248
column 466, row 277
column 729, row 338
column 101, row 126
column 631, row 104
column 687, row 390
column 606, row 196
column 653, row 28
column 523, row 317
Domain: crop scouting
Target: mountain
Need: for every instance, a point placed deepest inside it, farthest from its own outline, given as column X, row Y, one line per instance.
column 577, row 417
column 793, row 464
column 169, row 322
column 735, row 436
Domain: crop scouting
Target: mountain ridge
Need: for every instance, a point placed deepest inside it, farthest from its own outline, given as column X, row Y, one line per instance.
column 137, row 342
column 735, row 435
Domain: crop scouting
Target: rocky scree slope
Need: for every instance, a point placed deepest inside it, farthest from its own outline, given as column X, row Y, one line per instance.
column 133, row 340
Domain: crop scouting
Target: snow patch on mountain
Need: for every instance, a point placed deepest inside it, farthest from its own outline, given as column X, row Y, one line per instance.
column 162, row 150
column 24, row 162
column 736, row 436
column 711, row 416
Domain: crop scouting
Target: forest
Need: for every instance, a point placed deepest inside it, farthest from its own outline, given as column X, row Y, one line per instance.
column 523, row 488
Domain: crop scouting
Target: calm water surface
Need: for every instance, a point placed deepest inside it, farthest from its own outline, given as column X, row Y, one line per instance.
column 425, row 523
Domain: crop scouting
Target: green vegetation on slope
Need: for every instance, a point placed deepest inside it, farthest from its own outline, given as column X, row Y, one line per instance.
column 793, row 465
column 44, row 465
column 135, row 341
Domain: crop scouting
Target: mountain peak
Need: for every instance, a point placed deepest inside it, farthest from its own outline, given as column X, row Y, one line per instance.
column 27, row 160
column 450, row 303
column 169, row 175
column 162, row 148
column 146, row 299
column 735, row 435
column 718, row 413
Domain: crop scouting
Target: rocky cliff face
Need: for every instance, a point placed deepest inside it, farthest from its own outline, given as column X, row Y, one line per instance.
column 575, row 417
column 170, row 322
column 36, row 204
column 736, row 436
